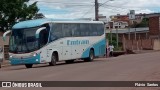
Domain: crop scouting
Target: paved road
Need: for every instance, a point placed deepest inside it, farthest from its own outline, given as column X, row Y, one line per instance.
column 137, row 67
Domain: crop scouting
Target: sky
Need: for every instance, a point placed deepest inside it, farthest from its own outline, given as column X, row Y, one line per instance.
column 73, row 9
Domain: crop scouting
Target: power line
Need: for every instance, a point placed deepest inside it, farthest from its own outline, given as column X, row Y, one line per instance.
column 97, row 5
column 87, row 12
column 80, row 3
column 105, row 3
column 106, row 6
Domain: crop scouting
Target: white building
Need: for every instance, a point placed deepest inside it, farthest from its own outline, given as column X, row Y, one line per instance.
column 118, row 24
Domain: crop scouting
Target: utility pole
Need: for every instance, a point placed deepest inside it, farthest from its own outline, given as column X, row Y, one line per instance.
column 117, row 36
column 96, row 10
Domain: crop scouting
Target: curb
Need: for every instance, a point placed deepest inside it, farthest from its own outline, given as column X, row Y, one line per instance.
column 5, row 65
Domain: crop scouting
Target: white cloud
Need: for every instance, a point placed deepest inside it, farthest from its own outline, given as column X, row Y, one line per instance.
column 82, row 8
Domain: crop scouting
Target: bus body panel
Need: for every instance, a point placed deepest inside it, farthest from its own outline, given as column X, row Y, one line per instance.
column 67, row 47
column 29, row 60
column 66, row 50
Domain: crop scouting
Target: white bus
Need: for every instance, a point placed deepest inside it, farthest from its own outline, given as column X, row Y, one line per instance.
column 48, row 41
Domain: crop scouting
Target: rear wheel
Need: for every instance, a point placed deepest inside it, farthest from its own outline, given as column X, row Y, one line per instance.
column 53, row 59
column 28, row 65
column 91, row 56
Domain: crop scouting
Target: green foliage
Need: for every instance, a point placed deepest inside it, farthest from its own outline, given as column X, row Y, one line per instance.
column 13, row 10
column 113, row 41
column 144, row 23
column 118, row 48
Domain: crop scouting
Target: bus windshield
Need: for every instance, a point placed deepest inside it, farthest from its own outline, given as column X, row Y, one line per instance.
column 23, row 40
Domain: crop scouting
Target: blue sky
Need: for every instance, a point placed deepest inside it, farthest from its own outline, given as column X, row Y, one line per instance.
column 85, row 8
column 48, row 10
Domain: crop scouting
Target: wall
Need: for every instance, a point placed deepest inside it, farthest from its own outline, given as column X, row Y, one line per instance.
column 5, row 47
column 154, row 26
column 156, row 45
column 2, row 43
column 142, row 44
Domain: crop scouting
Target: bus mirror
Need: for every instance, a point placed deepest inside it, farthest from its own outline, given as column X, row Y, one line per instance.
column 39, row 30
column 4, row 35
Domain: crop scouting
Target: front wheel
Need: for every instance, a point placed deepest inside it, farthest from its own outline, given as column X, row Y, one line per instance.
column 28, row 65
column 53, row 60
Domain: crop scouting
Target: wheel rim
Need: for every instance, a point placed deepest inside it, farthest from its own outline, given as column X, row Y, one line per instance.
column 91, row 56
column 53, row 59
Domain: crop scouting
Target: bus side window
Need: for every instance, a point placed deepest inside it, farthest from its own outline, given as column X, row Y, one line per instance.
column 43, row 38
column 66, row 30
column 75, row 30
column 56, row 32
column 100, row 29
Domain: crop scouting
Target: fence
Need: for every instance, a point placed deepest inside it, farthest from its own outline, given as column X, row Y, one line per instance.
column 5, row 46
column 142, row 44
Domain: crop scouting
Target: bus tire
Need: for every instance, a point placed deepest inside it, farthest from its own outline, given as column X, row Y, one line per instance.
column 28, row 65
column 91, row 56
column 53, row 60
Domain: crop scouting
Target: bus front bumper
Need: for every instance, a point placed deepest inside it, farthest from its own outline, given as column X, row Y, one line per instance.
column 29, row 60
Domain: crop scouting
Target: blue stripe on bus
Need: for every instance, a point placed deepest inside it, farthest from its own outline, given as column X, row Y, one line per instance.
column 99, row 49
column 30, row 23
column 37, row 22
column 31, row 60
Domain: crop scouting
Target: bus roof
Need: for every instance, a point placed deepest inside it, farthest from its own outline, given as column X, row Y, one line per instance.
column 39, row 22
column 30, row 23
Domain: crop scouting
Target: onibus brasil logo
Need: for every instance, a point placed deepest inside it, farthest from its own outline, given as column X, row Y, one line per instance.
column 21, row 84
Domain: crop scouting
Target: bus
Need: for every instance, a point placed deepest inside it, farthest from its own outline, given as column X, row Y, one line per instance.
column 49, row 41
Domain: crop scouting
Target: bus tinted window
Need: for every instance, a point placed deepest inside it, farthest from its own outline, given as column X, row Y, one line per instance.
column 67, row 31
column 100, row 29
column 56, row 31
column 91, row 29
column 76, row 30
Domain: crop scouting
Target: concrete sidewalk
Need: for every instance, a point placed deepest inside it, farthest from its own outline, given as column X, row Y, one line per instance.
column 5, row 63
column 144, row 51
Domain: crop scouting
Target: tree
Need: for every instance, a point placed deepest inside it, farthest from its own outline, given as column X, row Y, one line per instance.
column 39, row 15
column 113, row 41
column 144, row 23
column 12, row 11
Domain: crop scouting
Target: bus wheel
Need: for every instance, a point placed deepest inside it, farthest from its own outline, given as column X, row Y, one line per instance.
column 53, row 60
column 28, row 65
column 91, row 56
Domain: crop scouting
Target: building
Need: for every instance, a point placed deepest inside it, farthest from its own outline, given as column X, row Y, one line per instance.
column 138, row 17
column 140, row 38
column 4, row 45
column 130, row 34
column 154, row 27
column 102, row 18
column 118, row 24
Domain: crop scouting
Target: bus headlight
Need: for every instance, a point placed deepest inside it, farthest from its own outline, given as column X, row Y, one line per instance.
column 35, row 54
column 10, row 56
